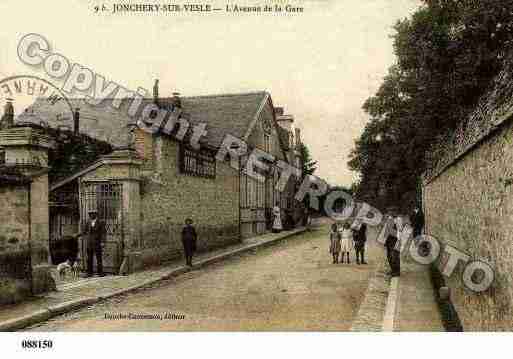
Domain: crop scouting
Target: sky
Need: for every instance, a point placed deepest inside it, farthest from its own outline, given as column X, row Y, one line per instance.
column 320, row 64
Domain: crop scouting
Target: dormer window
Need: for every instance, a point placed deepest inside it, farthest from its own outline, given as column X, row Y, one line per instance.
column 267, row 143
column 266, row 125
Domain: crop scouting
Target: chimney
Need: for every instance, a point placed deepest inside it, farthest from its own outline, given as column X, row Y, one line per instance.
column 156, row 92
column 76, row 121
column 7, row 120
column 278, row 111
column 176, row 100
column 285, row 121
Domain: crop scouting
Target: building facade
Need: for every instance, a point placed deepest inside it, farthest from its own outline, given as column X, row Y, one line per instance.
column 146, row 189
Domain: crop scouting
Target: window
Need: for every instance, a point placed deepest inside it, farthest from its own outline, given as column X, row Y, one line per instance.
column 200, row 163
column 267, row 143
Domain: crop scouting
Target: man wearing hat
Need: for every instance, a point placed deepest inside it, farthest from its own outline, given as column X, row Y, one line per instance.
column 189, row 239
column 95, row 240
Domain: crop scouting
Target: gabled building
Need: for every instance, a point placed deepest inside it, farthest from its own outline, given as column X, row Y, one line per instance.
column 146, row 188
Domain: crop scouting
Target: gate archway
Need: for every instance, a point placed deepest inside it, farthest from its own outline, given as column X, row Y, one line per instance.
column 105, row 197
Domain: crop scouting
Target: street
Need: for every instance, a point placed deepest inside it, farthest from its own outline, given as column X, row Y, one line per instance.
column 289, row 286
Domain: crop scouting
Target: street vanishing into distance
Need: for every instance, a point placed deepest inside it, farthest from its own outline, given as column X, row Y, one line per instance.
column 292, row 285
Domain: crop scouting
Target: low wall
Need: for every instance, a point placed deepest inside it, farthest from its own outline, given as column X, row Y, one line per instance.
column 166, row 244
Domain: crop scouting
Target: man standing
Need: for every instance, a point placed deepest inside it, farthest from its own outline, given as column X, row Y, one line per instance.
column 359, row 243
column 189, row 238
column 393, row 255
column 418, row 222
column 95, row 231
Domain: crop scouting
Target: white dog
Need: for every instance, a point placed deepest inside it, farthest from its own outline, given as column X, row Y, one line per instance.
column 63, row 268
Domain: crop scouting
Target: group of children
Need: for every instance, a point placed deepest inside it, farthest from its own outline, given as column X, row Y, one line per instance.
column 342, row 240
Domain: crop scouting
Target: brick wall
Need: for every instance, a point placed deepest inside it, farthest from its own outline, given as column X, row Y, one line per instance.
column 469, row 205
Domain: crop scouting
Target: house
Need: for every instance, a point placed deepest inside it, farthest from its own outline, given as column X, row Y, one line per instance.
column 151, row 182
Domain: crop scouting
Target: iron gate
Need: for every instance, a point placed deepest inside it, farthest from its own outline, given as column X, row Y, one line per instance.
column 107, row 199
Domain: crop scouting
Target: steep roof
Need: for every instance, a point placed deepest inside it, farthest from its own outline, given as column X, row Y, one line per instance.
column 223, row 114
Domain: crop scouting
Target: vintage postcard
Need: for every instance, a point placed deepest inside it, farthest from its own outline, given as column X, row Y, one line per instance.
column 255, row 166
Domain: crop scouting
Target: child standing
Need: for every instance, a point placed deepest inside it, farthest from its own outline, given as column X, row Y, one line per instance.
column 334, row 242
column 347, row 238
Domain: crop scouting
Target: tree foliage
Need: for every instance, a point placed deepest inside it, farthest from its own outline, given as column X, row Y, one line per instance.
column 309, row 165
column 73, row 153
column 447, row 54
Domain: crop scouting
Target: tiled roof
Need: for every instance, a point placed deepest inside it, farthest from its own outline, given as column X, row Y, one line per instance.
column 223, row 114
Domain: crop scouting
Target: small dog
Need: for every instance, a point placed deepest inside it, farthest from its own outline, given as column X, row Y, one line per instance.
column 63, row 268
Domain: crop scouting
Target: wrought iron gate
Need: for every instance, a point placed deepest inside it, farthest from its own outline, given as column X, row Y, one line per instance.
column 106, row 198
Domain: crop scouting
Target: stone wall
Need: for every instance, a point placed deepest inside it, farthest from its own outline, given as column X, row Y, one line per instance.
column 42, row 280
column 469, row 205
column 168, row 197
column 14, row 241
column 39, row 212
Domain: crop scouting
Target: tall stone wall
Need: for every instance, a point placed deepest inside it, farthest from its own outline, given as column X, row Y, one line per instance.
column 470, row 206
column 39, row 210
column 14, row 242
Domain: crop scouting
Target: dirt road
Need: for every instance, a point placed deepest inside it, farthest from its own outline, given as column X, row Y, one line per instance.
column 289, row 286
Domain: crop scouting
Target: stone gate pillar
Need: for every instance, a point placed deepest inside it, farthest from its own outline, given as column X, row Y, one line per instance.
column 125, row 168
column 26, row 152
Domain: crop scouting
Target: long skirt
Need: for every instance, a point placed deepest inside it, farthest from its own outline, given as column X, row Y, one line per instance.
column 345, row 245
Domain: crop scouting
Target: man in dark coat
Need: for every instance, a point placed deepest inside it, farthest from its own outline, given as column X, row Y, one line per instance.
column 393, row 255
column 189, row 238
column 359, row 243
column 95, row 241
column 418, row 222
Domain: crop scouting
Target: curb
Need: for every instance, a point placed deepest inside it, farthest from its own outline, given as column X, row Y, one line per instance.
column 61, row 308
column 65, row 307
column 25, row 321
column 390, row 311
